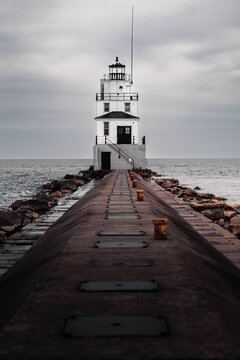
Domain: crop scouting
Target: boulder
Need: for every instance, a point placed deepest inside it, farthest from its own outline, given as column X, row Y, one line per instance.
column 206, row 205
column 205, row 196
column 234, row 225
column 221, row 222
column 39, row 206
column 174, row 190
column 3, row 236
column 65, row 192
column 69, row 176
column 188, row 194
column 167, row 183
column 56, row 194
column 214, row 214
column 10, row 221
column 228, row 215
column 29, row 216
column 54, row 185
column 197, row 188
column 71, row 184
column 41, row 195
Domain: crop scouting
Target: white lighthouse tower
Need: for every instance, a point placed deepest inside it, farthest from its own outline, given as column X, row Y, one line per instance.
column 118, row 144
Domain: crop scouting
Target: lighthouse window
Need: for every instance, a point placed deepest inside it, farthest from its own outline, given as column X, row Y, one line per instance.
column 106, row 128
column 127, row 107
column 127, row 130
column 106, row 107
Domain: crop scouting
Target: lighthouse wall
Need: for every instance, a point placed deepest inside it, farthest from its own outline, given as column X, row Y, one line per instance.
column 113, row 124
column 117, row 105
column 136, row 152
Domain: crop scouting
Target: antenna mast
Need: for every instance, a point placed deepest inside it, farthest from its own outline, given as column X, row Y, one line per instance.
column 132, row 48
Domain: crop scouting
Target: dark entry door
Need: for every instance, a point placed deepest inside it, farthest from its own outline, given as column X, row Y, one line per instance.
column 106, row 160
column 124, row 135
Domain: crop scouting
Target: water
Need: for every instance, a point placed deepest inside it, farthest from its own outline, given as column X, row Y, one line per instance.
column 20, row 179
column 218, row 176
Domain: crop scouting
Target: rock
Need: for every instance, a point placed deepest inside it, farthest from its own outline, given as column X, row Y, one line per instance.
column 29, row 217
column 10, row 221
column 174, row 190
column 3, row 236
column 197, row 188
column 39, row 206
column 53, row 186
column 221, row 222
column 214, row 214
column 234, row 225
column 72, row 184
column 56, row 194
column 188, row 194
column 167, row 183
column 205, row 196
column 69, row 176
column 206, row 205
column 228, row 215
column 66, row 192
column 41, row 195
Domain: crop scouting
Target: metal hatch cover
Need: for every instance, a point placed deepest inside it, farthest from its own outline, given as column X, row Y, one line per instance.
column 121, row 217
column 127, row 244
column 116, row 286
column 122, row 263
column 121, row 233
column 81, row 326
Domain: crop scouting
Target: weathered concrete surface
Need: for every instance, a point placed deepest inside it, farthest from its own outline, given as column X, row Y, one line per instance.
column 199, row 287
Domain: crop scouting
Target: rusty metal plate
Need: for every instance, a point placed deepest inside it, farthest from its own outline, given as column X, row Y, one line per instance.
column 122, row 217
column 119, row 205
column 122, row 263
column 121, row 233
column 120, row 200
column 79, row 326
column 127, row 244
column 119, row 210
column 115, row 286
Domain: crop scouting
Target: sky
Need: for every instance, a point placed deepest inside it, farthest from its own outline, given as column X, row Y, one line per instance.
column 186, row 71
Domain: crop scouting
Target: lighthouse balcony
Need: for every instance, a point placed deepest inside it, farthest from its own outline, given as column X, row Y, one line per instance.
column 135, row 140
column 117, row 96
column 117, row 76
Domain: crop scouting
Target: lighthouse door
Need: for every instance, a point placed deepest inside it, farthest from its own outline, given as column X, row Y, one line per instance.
column 124, row 135
column 106, row 160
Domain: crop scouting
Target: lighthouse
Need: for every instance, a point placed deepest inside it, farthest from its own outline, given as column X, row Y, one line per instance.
column 118, row 143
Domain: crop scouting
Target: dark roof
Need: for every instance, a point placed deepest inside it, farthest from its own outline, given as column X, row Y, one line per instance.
column 116, row 63
column 117, row 115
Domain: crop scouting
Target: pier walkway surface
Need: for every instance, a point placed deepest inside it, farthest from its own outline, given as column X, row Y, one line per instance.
column 97, row 285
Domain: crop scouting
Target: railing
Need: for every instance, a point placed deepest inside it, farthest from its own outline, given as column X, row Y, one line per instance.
column 121, row 154
column 117, row 96
column 100, row 140
column 127, row 77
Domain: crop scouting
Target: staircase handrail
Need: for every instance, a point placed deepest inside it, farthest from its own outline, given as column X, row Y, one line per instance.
column 122, row 153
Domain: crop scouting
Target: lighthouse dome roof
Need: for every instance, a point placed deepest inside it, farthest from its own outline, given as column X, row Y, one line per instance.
column 116, row 64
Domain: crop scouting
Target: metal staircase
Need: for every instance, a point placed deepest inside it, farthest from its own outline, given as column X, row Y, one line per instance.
column 121, row 154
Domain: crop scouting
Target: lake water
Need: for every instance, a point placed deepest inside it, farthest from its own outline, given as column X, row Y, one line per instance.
column 20, row 179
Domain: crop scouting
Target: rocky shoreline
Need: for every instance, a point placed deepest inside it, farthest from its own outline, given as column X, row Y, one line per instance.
column 211, row 206
column 23, row 212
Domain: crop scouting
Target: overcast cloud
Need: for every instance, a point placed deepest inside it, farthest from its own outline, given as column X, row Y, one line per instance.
column 186, row 70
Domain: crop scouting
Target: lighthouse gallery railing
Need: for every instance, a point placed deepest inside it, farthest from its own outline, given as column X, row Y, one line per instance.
column 100, row 140
column 117, row 96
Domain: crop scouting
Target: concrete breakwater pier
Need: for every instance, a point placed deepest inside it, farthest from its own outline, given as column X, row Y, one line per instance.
column 97, row 285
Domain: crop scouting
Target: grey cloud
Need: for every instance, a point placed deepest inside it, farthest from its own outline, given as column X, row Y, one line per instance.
column 53, row 53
